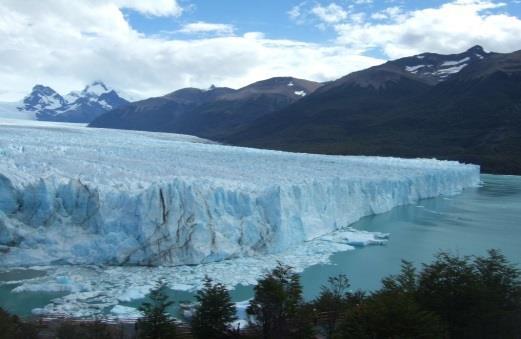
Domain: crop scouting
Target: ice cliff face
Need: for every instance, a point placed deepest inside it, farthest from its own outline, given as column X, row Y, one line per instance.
column 70, row 194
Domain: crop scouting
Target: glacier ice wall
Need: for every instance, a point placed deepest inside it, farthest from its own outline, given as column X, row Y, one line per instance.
column 74, row 195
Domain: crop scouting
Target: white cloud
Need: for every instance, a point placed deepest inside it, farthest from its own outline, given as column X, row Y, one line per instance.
column 66, row 44
column 449, row 28
column 330, row 14
column 321, row 16
column 201, row 27
column 295, row 12
column 152, row 7
column 390, row 13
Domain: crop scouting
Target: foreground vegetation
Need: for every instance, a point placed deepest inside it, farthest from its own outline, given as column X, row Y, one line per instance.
column 452, row 297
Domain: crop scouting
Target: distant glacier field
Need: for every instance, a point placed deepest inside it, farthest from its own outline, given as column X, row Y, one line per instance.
column 110, row 201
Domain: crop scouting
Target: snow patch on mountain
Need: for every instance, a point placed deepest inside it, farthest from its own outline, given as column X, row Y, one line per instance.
column 439, row 67
column 48, row 102
column 71, row 97
column 451, row 70
column 453, row 63
column 414, row 69
column 441, row 72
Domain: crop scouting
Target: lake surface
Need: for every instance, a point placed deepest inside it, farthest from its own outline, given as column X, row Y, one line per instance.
column 470, row 223
column 479, row 219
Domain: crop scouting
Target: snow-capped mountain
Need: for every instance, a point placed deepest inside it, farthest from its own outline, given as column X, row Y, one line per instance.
column 44, row 103
column 440, row 67
column 42, row 98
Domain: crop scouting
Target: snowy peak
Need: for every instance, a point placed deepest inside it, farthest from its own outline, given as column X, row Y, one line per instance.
column 427, row 69
column 440, row 67
column 477, row 49
column 78, row 106
column 72, row 96
column 97, row 94
column 96, row 89
column 41, row 98
column 43, row 90
column 507, row 64
column 93, row 90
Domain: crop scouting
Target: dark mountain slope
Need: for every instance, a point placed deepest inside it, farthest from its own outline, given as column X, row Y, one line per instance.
column 338, row 109
column 159, row 114
column 473, row 116
column 210, row 114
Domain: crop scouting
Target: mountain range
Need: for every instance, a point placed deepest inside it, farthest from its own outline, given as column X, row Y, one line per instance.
column 214, row 113
column 463, row 107
column 472, row 115
column 44, row 103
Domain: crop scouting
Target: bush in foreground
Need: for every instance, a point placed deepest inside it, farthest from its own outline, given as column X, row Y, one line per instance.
column 214, row 313
column 157, row 322
column 391, row 312
column 12, row 327
column 277, row 308
column 87, row 330
column 453, row 297
column 476, row 297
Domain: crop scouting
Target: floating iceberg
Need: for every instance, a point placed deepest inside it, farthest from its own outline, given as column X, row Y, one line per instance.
column 76, row 195
column 92, row 290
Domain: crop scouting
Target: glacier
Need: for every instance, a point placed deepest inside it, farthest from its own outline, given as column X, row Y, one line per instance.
column 76, row 195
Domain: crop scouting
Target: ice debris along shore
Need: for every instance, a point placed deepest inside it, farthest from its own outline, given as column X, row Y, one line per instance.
column 91, row 291
column 76, row 195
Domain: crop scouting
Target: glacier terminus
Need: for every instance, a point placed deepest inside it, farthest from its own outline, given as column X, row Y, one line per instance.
column 76, row 195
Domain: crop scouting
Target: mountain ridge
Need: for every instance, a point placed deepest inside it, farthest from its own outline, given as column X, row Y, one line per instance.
column 45, row 104
column 208, row 113
column 473, row 115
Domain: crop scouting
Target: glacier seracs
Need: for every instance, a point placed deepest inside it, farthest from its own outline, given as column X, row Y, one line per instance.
column 76, row 195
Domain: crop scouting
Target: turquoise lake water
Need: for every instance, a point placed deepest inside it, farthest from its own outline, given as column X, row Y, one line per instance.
column 467, row 224
column 470, row 223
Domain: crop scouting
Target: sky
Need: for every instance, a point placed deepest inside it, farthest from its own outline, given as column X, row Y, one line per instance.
column 145, row 48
